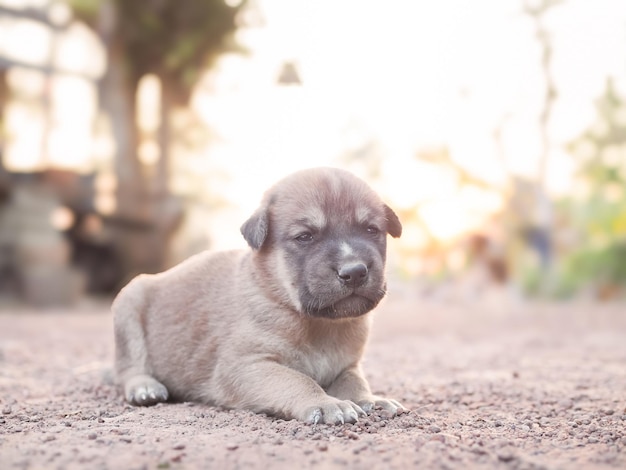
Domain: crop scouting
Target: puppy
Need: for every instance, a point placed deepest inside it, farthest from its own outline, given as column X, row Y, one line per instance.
column 278, row 329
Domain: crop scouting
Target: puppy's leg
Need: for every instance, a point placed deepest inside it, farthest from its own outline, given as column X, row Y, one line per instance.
column 278, row 390
column 351, row 385
column 131, row 357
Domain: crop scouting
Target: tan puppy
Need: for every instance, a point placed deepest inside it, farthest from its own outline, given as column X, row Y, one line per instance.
column 278, row 329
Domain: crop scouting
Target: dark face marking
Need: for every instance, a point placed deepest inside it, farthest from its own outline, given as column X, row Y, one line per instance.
column 319, row 259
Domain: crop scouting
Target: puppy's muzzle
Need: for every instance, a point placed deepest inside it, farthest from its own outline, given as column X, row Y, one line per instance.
column 353, row 274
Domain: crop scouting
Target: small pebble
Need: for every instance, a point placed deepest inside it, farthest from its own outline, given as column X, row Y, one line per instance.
column 505, row 455
column 476, row 449
column 232, row 446
column 360, row 449
column 434, row 428
column 6, row 410
column 91, row 436
column 179, row 446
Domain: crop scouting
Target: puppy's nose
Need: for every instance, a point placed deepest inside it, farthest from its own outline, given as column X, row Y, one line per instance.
column 352, row 274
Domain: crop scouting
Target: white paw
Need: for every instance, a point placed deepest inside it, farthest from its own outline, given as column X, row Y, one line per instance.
column 143, row 390
column 335, row 412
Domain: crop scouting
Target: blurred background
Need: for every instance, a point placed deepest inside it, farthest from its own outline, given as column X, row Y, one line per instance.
column 136, row 133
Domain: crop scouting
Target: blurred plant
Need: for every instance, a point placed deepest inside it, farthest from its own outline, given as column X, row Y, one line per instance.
column 597, row 212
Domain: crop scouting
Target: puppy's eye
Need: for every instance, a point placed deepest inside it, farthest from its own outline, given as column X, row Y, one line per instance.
column 373, row 230
column 305, row 237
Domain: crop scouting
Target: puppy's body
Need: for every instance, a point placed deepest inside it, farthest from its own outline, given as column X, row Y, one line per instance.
column 278, row 329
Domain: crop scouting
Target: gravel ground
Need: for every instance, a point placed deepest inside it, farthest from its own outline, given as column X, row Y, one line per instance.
column 514, row 387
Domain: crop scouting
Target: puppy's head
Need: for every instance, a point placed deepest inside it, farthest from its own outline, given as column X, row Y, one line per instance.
column 320, row 242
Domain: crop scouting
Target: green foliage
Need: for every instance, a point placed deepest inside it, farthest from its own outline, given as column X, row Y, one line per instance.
column 86, row 10
column 599, row 216
column 605, row 265
column 173, row 39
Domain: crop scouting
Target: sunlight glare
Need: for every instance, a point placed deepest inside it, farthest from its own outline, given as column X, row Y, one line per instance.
column 381, row 81
column 62, row 218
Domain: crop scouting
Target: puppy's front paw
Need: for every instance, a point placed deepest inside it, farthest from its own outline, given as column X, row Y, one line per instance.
column 143, row 390
column 334, row 412
column 389, row 405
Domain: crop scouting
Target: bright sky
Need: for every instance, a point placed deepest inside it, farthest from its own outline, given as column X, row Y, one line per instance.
column 412, row 74
column 405, row 74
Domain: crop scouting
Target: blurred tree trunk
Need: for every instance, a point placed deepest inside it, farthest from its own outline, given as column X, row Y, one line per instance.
column 118, row 102
column 4, row 99
column 134, row 220
column 117, row 98
column 175, row 41
column 161, row 178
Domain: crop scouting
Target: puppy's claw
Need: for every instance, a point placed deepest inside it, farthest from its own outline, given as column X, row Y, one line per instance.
column 360, row 411
column 314, row 417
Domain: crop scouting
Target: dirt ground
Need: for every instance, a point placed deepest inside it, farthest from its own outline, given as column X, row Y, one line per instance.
column 505, row 386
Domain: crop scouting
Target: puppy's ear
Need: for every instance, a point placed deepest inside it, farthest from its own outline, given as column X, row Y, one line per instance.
column 394, row 227
column 256, row 228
